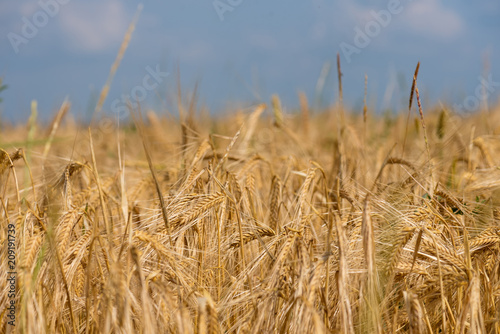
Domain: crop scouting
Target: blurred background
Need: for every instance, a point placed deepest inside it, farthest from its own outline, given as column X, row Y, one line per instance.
column 240, row 52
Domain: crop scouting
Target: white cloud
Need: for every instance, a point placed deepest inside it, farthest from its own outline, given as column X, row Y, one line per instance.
column 427, row 18
column 11, row 13
column 23, row 8
column 94, row 26
column 432, row 19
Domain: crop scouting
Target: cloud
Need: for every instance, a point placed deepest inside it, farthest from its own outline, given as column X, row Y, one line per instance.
column 431, row 19
column 11, row 13
column 427, row 18
column 94, row 26
column 23, row 8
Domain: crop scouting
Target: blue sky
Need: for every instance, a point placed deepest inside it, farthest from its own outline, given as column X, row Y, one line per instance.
column 241, row 52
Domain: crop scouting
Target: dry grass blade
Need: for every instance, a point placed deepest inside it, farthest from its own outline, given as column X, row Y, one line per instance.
column 304, row 110
column 415, row 313
column 228, row 149
column 400, row 243
column 101, row 193
column 64, row 228
column 55, row 125
column 118, row 59
column 479, row 143
column 398, row 161
column 254, row 236
column 30, row 254
column 204, row 205
column 487, row 238
column 252, row 124
column 139, row 123
column 417, row 247
column 365, row 108
column 372, row 276
column 423, row 124
column 342, row 282
column 413, row 84
column 275, row 202
column 339, row 77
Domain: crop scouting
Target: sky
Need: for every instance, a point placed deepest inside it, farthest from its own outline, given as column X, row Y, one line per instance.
column 240, row 52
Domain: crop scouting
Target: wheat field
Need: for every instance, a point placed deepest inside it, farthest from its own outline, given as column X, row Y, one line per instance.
column 257, row 221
